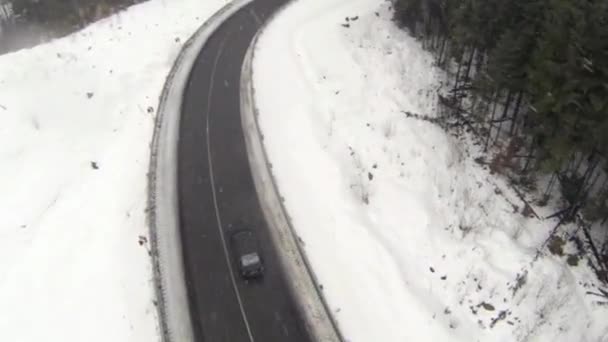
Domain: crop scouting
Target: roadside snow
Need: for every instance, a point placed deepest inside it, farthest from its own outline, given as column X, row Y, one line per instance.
column 411, row 239
column 77, row 118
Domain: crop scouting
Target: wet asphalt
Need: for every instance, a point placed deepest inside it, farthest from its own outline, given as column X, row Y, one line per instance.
column 216, row 190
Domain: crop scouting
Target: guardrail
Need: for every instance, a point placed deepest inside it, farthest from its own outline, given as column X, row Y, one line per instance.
column 302, row 281
column 163, row 214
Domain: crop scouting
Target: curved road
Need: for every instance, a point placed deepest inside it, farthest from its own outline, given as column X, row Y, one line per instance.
column 216, row 189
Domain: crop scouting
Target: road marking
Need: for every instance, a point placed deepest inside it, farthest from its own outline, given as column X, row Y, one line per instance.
column 217, row 212
column 256, row 17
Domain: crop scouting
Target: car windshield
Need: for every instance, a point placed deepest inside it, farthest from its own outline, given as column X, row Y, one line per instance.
column 251, row 259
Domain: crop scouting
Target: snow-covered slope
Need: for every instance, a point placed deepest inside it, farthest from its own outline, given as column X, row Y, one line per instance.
column 411, row 239
column 77, row 117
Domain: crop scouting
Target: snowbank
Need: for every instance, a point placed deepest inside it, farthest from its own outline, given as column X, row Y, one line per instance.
column 410, row 238
column 77, row 118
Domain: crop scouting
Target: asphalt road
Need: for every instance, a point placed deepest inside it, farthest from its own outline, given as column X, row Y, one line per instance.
column 216, row 189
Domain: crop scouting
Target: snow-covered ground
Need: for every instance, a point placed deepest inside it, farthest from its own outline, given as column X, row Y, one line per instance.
column 77, row 119
column 411, row 239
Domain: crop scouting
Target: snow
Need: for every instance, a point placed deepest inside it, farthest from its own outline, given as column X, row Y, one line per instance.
column 77, row 119
column 409, row 236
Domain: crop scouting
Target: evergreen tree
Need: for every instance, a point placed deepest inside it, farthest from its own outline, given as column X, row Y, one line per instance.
column 541, row 65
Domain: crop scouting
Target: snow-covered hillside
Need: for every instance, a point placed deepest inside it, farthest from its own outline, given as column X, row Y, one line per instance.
column 77, row 118
column 411, row 239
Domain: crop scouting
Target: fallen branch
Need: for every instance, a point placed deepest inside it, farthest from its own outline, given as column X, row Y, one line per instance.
column 601, row 270
column 523, row 199
column 557, row 214
column 603, row 293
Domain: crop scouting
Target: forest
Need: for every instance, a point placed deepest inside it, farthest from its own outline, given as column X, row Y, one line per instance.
column 67, row 14
column 530, row 79
column 39, row 20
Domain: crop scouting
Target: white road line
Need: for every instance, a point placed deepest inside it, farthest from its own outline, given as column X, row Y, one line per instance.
column 217, row 212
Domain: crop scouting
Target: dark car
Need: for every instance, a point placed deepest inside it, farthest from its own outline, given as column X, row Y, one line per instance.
column 246, row 252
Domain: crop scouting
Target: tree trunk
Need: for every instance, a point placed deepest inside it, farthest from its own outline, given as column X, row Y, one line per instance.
column 428, row 34
column 494, row 105
column 590, row 170
column 470, row 63
column 592, row 182
column 577, row 166
column 473, row 115
column 530, row 156
column 459, row 69
column 582, row 191
column 481, row 56
column 601, row 264
column 550, row 184
column 516, row 112
column 568, row 166
column 435, row 37
column 442, row 50
column 504, row 113
column 480, row 115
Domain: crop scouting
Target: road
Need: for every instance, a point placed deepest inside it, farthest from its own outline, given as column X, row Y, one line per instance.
column 216, row 189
